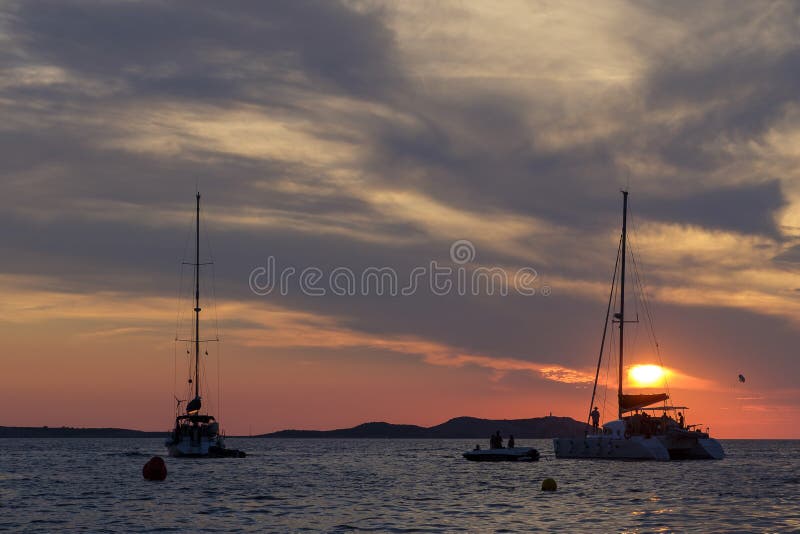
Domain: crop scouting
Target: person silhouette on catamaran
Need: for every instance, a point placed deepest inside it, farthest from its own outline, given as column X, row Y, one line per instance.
column 595, row 415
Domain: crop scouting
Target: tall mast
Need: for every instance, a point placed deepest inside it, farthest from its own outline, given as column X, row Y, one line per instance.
column 197, row 301
column 605, row 331
column 621, row 293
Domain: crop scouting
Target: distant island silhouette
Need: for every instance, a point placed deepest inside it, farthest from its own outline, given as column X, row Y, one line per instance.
column 456, row 428
column 71, row 432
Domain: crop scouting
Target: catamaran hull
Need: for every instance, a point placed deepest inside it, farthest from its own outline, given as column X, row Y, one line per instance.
column 702, row 449
column 661, row 448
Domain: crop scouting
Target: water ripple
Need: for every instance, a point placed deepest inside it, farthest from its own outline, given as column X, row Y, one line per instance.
column 389, row 486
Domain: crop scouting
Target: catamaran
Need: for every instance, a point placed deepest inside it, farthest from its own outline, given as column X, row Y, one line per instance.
column 636, row 434
column 197, row 434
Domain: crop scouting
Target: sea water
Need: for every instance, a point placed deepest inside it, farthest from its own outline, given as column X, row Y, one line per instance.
column 295, row 485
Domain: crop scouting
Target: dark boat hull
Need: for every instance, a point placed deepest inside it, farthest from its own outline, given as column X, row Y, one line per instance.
column 213, row 452
column 517, row 454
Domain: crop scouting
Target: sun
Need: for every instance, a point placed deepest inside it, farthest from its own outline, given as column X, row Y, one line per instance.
column 646, row 375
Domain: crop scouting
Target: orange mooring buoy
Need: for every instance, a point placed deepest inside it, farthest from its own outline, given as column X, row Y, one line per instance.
column 155, row 469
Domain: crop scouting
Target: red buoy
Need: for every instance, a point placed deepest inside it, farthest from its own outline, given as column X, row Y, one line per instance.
column 155, row 469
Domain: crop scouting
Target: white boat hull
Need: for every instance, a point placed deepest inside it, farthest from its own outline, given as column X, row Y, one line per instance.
column 639, row 447
column 186, row 446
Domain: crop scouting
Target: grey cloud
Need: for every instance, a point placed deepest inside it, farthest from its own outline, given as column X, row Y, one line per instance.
column 471, row 149
column 789, row 256
column 738, row 65
column 478, row 153
column 208, row 49
column 54, row 165
column 575, row 187
column 755, row 89
column 749, row 209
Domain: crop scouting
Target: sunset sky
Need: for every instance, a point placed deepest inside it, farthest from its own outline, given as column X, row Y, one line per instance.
column 377, row 134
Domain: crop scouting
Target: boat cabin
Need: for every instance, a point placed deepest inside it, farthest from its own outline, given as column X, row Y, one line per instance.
column 195, row 427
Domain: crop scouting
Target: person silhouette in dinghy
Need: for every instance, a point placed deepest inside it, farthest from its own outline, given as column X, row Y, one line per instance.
column 511, row 441
column 496, row 441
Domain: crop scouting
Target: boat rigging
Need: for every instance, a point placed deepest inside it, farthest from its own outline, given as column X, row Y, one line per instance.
column 196, row 434
column 635, row 434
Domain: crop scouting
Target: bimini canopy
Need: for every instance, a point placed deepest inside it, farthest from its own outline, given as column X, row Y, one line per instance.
column 194, row 406
column 628, row 403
